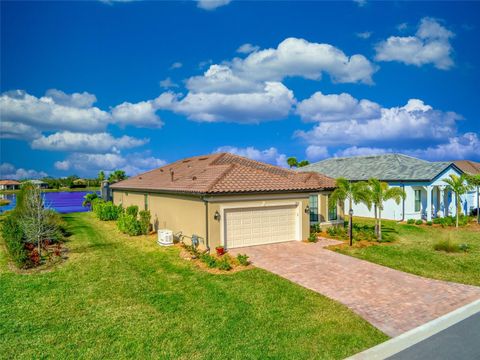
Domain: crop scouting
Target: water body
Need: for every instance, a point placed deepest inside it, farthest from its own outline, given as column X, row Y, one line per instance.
column 63, row 202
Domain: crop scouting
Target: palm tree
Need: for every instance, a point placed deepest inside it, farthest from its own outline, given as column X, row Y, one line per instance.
column 101, row 176
column 88, row 199
column 380, row 192
column 116, row 176
column 459, row 186
column 353, row 192
column 292, row 162
column 474, row 181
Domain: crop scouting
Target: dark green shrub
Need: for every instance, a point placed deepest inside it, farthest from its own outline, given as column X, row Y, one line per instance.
column 14, row 238
column 128, row 224
column 464, row 247
column 419, row 222
column 224, row 264
column 437, row 221
column 106, row 211
column 315, row 228
column 132, row 210
column 209, row 260
column 410, row 221
column 446, row 245
column 313, row 238
column 429, row 223
column 145, row 221
column 243, row 259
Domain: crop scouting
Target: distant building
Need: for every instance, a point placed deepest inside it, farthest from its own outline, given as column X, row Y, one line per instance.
column 40, row 184
column 9, row 185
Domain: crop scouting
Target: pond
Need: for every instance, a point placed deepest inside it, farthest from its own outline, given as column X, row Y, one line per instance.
column 63, row 202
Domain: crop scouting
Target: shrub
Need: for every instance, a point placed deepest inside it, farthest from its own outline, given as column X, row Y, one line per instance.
column 89, row 199
column 419, row 222
column 313, row 238
column 315, row 228
column 132, row 210
column 145, row 221
column 464, row 247
column 209, row 260
column 106, row 211
column 429, row 223
column 224, row 264
column 410, row 221
column 446, row 245
column 14, row 238
column 437, row 221
column 243, row 259
column 128, row 224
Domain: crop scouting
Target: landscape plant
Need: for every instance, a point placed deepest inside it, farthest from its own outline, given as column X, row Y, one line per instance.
column 474, row 182
column 353, row 193
column 89, row 199
column 458, row 185
column 106, row 210
column 145, row 218
column 243, row 259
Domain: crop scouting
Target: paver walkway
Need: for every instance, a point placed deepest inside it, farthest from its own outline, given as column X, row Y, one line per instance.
column 391, row 300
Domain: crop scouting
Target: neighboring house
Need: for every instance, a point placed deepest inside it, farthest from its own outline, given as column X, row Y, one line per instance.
column 470, row 168
column 38, row 183
column 226, row 199
column 9, row 185
column 427, row 195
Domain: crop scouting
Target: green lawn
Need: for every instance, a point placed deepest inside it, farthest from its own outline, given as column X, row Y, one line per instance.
column 120, row 297
column 413, row 251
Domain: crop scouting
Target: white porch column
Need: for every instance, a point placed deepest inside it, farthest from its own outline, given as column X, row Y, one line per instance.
column 429, row 203
column 441, row 200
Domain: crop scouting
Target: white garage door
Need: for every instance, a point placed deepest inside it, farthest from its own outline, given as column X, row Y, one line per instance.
column 255, row 226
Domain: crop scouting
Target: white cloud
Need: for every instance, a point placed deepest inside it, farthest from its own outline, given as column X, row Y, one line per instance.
column 402, row 26
column 91, row 164
column 176, row 65
column 141, row 114
column 272, row 103
column 55, row 110
column 316, row 152
column 360, row 3
column 247, row 48
column 81, row 142
column 16, row 130
column 430, row 45
column 211, row 4
column 271, row 155
column 364, row 35
column 466, row 146
column 415, row 120
column 8, row 171
column 168, row 83
column 333, row 107
column 361, row 151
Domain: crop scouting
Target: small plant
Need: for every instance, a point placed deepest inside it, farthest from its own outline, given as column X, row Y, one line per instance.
column 128, row 224
column 315, row 228
column 209, row 260
column 243, row 259
column 106, row 211
column 313, row 238
column 145, row 218
column 464, row 247
column 419, row 222
column 220, row 250
column 410, row 221
column 224, row 264
column 447, row 246
column 429, row 223
column 132, row 210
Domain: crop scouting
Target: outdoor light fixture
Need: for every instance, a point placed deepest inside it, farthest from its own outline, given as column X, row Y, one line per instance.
column 216, row 216
column 350, row 212
column 307, row 209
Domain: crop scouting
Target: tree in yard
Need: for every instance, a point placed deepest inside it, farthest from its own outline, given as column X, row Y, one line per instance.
column 116, row 176
column 35, row 219
column 292, row 162
column 101, row 176
column 303, row 163
column 459, row 186
column 474, row 181
column 88, row 199
column 379, row 193
column 353, row 193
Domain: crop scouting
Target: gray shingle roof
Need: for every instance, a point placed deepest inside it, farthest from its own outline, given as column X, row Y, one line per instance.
column 387, row 167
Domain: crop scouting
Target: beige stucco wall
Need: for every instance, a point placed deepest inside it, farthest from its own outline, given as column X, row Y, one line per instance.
column 323, row 210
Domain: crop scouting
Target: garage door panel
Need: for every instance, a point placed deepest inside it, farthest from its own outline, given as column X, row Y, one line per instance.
column 255, row 226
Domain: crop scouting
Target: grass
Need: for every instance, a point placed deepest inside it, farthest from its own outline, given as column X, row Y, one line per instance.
column 414, row 251
column 122, row 297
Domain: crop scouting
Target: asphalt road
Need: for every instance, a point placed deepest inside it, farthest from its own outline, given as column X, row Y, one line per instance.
column 460, row 342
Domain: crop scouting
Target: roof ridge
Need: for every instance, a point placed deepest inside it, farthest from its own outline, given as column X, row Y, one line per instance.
column 221, row 177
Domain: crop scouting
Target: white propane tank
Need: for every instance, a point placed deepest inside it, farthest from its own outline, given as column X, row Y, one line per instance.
column 165, row 237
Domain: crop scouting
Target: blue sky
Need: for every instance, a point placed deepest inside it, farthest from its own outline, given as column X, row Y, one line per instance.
column 89, row 86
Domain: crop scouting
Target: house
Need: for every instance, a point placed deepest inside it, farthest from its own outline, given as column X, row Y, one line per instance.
column 427, row 195
column 9, row 185
column 38, row 183
column 470, row 168
column 227, row 200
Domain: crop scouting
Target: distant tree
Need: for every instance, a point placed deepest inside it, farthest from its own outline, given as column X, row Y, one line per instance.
column 474, row 182
column 353, row 192
column 101, row 176
column 303, row 163
column 459, row 186
column 292, row 162
column 116, row 176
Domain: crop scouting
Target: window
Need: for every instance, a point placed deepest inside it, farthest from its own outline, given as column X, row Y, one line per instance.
column 418, row 200
column 332, row 213
column 313, row 204
column 146, row 201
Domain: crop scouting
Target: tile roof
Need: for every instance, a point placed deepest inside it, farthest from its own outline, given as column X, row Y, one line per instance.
column 386, row 167
column 467, row 166
column 9, row 182
column 224, row 173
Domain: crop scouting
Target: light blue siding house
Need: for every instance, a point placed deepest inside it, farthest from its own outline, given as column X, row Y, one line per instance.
column 427, row 194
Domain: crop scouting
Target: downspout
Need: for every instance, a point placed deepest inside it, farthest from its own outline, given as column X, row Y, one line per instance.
column 207, row 244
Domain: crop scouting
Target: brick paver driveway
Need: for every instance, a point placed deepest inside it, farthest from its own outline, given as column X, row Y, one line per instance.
column 391, row 300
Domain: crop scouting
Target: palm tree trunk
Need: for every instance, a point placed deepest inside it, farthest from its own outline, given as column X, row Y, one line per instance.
column 458, row 208
column 376, row 220
column 350, row 227
column 379, row 224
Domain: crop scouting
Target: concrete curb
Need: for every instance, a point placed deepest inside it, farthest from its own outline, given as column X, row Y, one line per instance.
column 414, row 336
